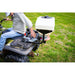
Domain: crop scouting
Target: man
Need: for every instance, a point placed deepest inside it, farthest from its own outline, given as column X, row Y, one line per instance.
column 20, row 21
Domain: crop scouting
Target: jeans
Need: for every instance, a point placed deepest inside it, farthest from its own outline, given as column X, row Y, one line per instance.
column 7, row 35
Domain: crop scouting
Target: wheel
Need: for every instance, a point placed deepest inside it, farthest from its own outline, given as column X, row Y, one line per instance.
column 24, row 59
column 13, row 58
column 9, row 58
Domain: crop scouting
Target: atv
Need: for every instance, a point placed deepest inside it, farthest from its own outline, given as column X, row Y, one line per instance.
column 19, row 48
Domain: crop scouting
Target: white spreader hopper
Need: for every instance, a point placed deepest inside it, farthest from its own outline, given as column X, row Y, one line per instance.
column 45, row 24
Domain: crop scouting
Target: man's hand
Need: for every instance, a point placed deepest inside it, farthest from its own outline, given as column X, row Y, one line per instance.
column 33, row 34
column 7, row 19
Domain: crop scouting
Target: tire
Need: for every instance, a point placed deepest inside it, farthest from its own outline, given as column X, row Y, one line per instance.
column 25, row 59
column 12, row 58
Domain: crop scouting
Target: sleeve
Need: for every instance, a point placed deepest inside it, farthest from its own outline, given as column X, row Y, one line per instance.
column 25, row 20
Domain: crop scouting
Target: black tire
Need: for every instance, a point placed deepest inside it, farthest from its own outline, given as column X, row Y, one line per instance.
column 25, row 59
column 7, row 58
column 11, row 58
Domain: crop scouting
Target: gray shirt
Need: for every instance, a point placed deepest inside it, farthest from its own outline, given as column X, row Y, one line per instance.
column 20, row 21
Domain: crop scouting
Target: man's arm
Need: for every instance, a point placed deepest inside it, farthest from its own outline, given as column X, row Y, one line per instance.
column 26, row 20
column 28, row 23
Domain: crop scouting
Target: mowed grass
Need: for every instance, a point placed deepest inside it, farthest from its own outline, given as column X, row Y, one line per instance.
column 61, row 46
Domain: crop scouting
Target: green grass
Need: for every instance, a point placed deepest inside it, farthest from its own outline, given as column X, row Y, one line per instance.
column 61, row 46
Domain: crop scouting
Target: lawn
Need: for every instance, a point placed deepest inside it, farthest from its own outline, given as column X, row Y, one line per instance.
column 61, row 46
